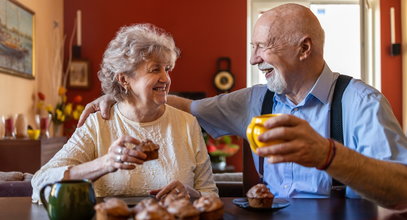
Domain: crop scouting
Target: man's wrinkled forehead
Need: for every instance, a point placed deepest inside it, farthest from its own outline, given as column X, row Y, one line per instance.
column 260, row 34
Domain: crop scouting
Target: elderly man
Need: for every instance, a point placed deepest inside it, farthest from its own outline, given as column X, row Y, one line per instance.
column 288, row 48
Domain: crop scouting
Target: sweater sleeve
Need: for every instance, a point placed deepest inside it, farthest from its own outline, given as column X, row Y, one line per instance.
column 79, row 149
column 204, row 181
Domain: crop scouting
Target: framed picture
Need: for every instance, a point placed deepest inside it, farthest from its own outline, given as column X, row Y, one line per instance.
column 16, row 39
column 79, row 74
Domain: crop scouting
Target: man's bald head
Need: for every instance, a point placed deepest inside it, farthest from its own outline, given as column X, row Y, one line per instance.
column 291, row 23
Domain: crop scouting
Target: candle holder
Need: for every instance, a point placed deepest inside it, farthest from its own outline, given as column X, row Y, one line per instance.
column 9, row 127
column 43, row 123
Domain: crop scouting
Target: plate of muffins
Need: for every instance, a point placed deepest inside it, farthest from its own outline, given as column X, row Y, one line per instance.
column 171, row 207
column 260, row 198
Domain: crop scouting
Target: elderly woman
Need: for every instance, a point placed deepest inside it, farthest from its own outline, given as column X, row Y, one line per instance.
column 135, row 71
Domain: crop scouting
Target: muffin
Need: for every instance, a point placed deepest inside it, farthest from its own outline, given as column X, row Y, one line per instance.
column 149, row 148
column 259, row 196
column 145, row 203
column 183, row 210
column 210, row 207
column 173, row 196
column 153, row 212
column 112, row 209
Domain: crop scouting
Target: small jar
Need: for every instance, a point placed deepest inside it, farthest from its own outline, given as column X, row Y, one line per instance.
column 9, row 127
column 21, row 126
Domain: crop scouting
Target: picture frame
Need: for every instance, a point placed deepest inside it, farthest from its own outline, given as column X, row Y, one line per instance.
column 17, row 40
column 79, row 74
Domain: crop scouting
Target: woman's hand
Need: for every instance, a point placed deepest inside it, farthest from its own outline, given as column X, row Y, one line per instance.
column 174, row 187
column 121, row 157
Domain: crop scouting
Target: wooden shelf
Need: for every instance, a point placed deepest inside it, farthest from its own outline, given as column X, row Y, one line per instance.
column 26, row 155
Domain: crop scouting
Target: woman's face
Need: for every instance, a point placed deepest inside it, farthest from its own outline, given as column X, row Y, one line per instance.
column 151, row 82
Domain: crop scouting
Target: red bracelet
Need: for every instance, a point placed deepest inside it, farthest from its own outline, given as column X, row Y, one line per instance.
column 333, row 154
column 328, row 156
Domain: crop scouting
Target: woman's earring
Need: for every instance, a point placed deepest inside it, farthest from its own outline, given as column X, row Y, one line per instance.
column 125, row 86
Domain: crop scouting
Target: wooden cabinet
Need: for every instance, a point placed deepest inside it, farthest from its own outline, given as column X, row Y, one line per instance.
column 27, row 155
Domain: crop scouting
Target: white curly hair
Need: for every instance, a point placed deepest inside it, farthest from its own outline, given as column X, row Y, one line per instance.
column 132, row 46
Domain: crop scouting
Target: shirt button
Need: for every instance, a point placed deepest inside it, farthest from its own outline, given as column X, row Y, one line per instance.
column 285, row 186
column 294, row 110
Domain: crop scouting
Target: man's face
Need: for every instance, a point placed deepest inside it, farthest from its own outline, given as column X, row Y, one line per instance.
column 275, row 59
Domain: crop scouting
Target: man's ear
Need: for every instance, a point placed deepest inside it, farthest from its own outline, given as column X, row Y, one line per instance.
column 305, row 48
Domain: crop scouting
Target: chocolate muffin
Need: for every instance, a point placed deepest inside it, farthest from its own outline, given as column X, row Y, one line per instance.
column 112, row 209
column 183, row 209
column 171, row 197
column 145, row 203
column 153, row 212
column 259, row 196
column 149, row 148
column 210, row 207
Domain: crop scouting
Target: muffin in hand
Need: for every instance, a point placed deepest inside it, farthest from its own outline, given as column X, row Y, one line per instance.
column 149, row 148
column 210, row 207
column 259, row 196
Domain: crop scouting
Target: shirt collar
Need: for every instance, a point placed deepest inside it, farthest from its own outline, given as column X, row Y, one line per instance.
column 321, row 89
column 323, row 86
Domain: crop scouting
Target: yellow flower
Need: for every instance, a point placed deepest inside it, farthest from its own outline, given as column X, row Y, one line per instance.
column 80, row 108
column 68, row 109
column 49, row 108
column 60, row 115
column 61, row 91
column 76, row 114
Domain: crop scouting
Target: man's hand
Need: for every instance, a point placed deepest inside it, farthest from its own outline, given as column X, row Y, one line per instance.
column 103, row 104
column 302, row 144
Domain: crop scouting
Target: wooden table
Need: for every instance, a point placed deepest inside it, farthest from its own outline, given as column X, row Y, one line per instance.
column 21, row 208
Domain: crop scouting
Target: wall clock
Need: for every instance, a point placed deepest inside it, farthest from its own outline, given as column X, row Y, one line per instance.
column 223, row 80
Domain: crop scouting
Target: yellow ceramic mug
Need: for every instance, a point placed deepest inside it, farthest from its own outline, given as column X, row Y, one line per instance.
column 255, row 128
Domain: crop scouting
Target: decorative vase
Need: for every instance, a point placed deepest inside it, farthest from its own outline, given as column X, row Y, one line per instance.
column 21, row 126
column 218, row 162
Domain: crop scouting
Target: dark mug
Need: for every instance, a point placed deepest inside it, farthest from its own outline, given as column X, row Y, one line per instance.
column 69, row 199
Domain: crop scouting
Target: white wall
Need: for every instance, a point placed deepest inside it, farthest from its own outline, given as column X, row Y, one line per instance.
column 17, row 95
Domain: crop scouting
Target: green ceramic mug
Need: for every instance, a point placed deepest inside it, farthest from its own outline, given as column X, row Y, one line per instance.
column 69, row 199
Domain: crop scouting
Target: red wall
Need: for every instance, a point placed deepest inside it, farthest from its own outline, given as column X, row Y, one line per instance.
column 391, row 66
column 203, row 30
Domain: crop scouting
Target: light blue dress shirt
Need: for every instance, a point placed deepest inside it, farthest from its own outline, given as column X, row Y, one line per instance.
column 369, row 124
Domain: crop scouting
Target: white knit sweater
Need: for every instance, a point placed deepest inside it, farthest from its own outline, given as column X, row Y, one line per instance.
column 182, row 154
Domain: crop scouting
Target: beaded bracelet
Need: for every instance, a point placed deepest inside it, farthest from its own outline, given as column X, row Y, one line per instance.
column 328, row 159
